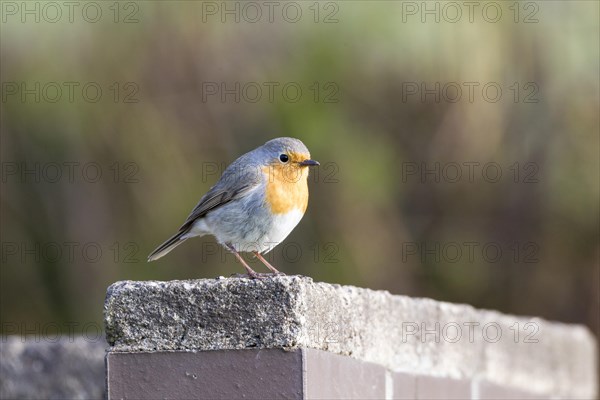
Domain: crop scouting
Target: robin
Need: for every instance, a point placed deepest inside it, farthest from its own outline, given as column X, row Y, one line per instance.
column 257, row 202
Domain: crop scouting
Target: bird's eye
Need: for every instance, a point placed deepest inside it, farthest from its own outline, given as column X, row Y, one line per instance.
column 284, row 158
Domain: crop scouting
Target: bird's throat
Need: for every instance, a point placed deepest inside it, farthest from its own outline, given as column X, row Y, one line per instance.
column 286, row 188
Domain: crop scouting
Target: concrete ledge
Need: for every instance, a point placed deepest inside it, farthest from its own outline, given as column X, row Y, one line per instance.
column 236, row 374
column 420, row 337
column 224, row 374
column 276, row 373
column 66, row 369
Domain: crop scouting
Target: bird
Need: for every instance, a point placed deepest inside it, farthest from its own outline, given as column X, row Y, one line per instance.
column 258, row 200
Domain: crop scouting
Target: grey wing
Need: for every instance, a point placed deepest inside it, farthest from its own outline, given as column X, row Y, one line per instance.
column 232, row 185
column 213, row 199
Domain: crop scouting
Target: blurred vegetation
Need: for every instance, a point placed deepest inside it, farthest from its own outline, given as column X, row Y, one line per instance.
column 365, row 211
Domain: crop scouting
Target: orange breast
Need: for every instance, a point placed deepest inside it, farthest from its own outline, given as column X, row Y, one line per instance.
column 287, row 188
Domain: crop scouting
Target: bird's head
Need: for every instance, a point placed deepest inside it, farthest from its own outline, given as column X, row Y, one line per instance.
column 288, row 158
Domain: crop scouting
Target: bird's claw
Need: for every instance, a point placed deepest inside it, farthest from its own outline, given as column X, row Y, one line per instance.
column 258, row 275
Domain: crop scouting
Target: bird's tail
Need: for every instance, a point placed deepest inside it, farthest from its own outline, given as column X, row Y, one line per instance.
column 167, row 246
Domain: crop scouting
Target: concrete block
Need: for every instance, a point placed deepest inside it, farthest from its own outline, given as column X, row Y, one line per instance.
column 432, row 388
column 416, row 336
column 236, row 374
column 403, row 386
column 219, row 374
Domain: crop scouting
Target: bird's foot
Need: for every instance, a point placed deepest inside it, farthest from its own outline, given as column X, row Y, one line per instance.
column 255, row 275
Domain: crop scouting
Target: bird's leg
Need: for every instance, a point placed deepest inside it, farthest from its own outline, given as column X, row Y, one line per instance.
column 272, row 268
column 251, row 273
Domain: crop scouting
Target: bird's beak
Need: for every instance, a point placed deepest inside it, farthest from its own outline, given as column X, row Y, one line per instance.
column 309, row 163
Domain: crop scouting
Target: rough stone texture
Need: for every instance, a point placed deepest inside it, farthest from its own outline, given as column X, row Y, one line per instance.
column 71, row 368
column 402, row 334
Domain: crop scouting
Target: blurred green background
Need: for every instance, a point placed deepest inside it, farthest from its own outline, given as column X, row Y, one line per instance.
column 170, row 116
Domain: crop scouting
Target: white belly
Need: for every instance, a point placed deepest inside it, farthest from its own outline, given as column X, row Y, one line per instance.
column 280, row 228
column 283, row 224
